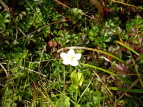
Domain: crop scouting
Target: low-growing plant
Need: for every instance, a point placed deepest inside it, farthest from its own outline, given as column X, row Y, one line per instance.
column 103, row 70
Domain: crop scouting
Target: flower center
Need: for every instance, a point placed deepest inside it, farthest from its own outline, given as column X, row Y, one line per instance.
column 71, row 57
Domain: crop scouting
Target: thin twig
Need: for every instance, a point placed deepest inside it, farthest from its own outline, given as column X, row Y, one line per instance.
column 25, row 35
column 133, row 84
column 33, row 71
column 35, row 12
column 127, row 4
column 102, row 82
column 136, row 68
column 62, row 3
column 4, row 70
column 6, row 8
column 8, row 36
column 70, row 8
column 44, row 49
column 84, row 92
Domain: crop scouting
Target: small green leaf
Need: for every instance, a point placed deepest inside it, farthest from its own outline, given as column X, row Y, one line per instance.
column 15, row 69
column 77, row 79
column 64, row 101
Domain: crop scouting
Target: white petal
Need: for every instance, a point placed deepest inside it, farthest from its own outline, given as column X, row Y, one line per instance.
column 71, row 52
column 77, row 56
column 63, row 55
column 74, row 63
column 66, row 62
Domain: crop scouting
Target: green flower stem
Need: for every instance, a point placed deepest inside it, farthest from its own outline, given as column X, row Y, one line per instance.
column 64, row 82
column 76, row 95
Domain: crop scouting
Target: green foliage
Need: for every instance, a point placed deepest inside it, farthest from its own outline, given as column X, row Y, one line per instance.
column 4, row 19
column 31, row 70
column 77, row 79
column 64, row 101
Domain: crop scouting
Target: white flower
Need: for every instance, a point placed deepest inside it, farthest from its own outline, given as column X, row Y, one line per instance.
column 70, row 58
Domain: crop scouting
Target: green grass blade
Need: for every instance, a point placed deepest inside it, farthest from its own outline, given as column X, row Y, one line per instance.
column 104, row 70
column 124, row 89
column 111, row 73
column 127, row 47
